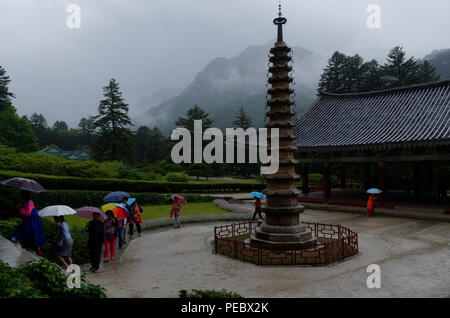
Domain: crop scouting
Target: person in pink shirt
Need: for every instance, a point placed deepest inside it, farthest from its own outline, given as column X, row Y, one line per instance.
column 30, row 232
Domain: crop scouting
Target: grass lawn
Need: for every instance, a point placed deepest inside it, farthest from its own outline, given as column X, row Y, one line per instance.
column 157, row 211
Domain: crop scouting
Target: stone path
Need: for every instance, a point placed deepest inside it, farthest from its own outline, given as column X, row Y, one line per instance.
column 414, row 257
column 13, row 254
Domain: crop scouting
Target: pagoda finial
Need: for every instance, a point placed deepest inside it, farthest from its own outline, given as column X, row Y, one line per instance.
column 279, row 22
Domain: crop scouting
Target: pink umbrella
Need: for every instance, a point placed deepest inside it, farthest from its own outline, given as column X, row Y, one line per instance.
column 179, row 197
column 87, row 212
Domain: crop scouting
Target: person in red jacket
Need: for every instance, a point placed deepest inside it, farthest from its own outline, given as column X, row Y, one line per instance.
column 371, row 205
column 258, row 209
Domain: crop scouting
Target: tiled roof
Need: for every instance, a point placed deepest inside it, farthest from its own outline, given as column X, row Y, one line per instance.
column 417, row 114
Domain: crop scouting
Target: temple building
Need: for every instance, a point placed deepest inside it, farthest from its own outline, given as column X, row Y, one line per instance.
column 397, row 140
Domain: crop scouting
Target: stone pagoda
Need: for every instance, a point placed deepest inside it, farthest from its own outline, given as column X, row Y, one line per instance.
column 282, row 224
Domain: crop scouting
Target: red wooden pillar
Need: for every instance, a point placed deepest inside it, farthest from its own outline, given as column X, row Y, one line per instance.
column 343, row 177
column 326, row 182
column 381, row 173
column 305, row 183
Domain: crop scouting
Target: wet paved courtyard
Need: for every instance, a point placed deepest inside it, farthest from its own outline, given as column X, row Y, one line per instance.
column 414, row 257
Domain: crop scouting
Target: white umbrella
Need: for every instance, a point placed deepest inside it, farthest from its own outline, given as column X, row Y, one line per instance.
column 57, row 210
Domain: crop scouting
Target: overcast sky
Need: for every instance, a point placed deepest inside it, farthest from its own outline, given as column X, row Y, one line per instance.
column 149, row 45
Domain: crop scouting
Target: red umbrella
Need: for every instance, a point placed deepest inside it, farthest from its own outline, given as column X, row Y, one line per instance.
column 88, row 211
column 180, row 198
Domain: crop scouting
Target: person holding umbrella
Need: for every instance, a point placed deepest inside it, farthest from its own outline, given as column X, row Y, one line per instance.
column 111, row 234
column 370, row 203
column 30, row 232
column 178, row 201
column 258, row 204
column 135, row 216
column 96, row 231
column 64, row 243
column 121, row 213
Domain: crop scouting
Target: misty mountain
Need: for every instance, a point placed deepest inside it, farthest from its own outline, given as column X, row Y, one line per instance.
column 226, row 84
column 440, row 59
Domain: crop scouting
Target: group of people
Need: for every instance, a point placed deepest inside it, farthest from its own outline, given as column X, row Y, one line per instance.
column 30, row 233
column 111, row 232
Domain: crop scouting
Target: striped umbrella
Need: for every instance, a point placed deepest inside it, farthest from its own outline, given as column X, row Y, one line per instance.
column 119, row 210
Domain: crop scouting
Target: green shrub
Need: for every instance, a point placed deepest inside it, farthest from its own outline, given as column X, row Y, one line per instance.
column 154, row 169
column 42, row 279
column 129, row 173
column 16, row 285
column 52, row 165
column 177, row 177
column 76, row 183
column 198, row 293
column 7, row 227
column 48, row 278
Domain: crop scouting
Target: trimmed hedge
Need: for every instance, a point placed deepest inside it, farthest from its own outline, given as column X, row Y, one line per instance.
column 75, row 183
column 76, row 199
column 79, row 198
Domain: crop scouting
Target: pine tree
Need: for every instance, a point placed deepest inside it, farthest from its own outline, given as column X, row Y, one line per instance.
column 5, row 94
column 195, row 113
column 399, row 70
column 115, row 141
column 242, row 119
column 86, row 129
column 151, row 145
column 427, row 73
column 15, row 131
column 353, row 74
column 372, row 77
column 332, row 78
column 59, row 125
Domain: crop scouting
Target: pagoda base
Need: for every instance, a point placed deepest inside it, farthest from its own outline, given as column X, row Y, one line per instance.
column 283, row 237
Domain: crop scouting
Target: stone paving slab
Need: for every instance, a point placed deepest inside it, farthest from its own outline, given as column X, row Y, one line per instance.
column 13, row 254
column 420, row 214
column 414, row 256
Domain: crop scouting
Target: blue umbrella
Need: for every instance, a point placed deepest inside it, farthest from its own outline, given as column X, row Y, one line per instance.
column 115, row 196
column 131, row 201
column 374, row 191
column 258, row 195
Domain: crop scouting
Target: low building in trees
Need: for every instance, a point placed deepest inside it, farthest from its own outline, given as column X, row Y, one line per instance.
column 397, row 140
column 69, row 154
